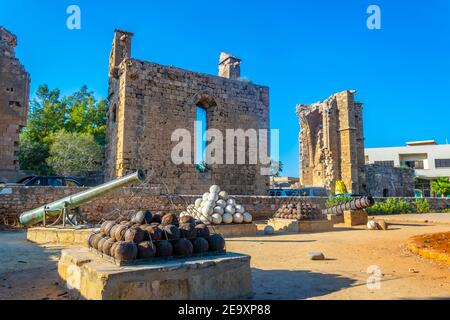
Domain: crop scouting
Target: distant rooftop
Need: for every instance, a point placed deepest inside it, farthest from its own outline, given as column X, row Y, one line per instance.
column 421, row 143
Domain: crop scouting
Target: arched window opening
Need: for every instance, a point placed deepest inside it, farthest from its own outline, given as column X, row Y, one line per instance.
column 200, row 132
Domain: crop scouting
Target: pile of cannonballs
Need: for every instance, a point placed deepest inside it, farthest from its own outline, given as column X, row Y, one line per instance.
column 301, row 210
column 216, row 207
column 148, row 235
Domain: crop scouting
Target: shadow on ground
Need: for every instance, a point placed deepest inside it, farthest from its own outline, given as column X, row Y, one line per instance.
column 28, row 271
column 294, row 285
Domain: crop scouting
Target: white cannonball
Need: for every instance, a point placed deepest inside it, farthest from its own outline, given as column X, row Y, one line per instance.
column 247, row 217
column 205, row 196
column 213, row 196
column 240, row 208
column 372, row 225
column 204, row 220
column 238, row 218
column 269, row 230
column 218, row 210
column 222, row 203
column 227, row 218
column 198, row 202
column 216, row 218
column 223, row 195
column 214, row 189
column 230, row 209
column 182, row 214
column 207, row 211
column 231, row 202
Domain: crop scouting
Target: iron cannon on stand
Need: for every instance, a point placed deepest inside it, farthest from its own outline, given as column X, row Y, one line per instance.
column 355, row 204
column 67, row 210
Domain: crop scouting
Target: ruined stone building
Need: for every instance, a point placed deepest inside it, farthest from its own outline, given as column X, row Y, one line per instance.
column 332, row 143
column 149, row 101
column 14, row 94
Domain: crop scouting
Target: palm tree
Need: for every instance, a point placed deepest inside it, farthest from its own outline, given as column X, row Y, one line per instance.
column 441, row 185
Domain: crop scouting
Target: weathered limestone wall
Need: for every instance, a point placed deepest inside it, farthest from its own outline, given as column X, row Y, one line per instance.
column 123, row 202
column 332, row 143
column 148, row 102
column 389, row 181
column 14, row 94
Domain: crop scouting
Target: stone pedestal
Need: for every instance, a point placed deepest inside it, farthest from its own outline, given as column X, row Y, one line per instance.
column 215, row 277
column 335, row 218
column 234, row 230
column 293, row 225
column 59, row 236
column 355, row 218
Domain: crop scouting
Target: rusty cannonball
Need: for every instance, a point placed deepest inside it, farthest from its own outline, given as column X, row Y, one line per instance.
column 200, row 245
column 157, row 218
column 90, row 239
column 164, row 248
column 169, row 232
column 169, row 218
column 106, row 227
column 202, row 230
column 113, row 249
column 112, row 232
column 146, row 249
column 142, row 217
column 152, row 233
column 188, row 230
column 183, row 247
column 216, row 242
column 119, row 234
column 107, row 245
column 100, row 244
column 187, row 220
column 95, row 240
column 135, row 234
column 125, row 251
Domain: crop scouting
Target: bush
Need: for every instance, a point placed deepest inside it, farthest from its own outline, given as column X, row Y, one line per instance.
column 391, row 206
column 422, row 205
column 334, row 201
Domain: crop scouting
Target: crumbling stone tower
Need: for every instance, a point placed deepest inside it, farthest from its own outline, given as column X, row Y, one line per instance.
column 149, row 101
column 14, row 94
column 332, row 143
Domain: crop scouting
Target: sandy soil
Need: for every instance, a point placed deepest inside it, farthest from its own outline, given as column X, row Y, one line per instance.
column 438, row 242
column 281, row 267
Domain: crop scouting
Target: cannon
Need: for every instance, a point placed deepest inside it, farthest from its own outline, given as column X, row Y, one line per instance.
column 355, row 204
column 67, row 209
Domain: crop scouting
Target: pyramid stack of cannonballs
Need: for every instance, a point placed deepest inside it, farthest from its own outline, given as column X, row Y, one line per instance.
column 301, row 210
column 217, row 207
column 148, row 235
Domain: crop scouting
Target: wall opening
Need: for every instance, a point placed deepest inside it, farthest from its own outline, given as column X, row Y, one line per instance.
column 200, row 132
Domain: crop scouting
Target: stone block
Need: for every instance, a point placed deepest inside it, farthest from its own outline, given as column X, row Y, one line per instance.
column 234, row 230
column 335, row 218
column 292, row 225
column 59, row 236
column 355, row 218
column 223, row 277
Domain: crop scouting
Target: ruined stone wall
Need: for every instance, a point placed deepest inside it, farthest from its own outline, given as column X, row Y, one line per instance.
column 148, row 102
column 14, row 94
column 389, row 181
column 331, row 143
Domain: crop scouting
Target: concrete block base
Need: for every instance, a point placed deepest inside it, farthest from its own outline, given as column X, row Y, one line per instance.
column 234, row 230
column 216, row 277
column 292, row 225
column 355, row 218
column 59, row 236
column 335, row 218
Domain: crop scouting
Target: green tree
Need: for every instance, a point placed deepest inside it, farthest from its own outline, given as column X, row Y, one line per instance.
column 441, row 186
column 51, row 113
column 276, row 167
column 73, row 152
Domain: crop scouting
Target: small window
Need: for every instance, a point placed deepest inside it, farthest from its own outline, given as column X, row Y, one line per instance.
column 54, row 182
column 114, row 114
column 385, row 193
column 200, row 130
column 442, row 163
column 414, row 164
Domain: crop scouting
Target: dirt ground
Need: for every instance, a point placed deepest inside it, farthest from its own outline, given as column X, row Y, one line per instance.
column 281, row 268
column 439, row 242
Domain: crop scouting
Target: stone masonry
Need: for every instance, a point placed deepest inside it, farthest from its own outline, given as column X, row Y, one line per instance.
column 148, row 102
column 14, row 94
column 384, row 181
column 332, row 143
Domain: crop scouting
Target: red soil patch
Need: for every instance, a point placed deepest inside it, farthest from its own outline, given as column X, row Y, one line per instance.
column 438, row 242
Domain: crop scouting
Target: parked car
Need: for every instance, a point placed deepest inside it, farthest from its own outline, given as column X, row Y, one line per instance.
column 54, row 181
column 302, row 192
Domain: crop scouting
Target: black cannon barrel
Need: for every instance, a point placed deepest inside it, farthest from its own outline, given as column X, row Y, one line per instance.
column 355, row 204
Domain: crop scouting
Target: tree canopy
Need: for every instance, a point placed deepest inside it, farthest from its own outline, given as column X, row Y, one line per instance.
column 49, row 114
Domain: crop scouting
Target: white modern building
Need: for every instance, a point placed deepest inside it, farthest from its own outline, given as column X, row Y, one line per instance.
column 428, row 159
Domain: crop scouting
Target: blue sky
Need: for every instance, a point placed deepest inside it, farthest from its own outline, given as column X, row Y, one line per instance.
column 303, row 50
